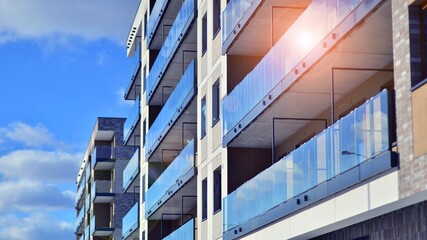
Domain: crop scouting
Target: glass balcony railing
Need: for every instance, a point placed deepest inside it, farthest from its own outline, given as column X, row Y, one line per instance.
column 172, row 41
column 131, row 170
column 185, row 232
column 87, row 233
column 102, row 154
column 87, row 203
column 80, row 190
column 357, row 137
column 134, row 69
column 314, row 24
column 102, row 188
column 172, row 109
column 154, row 19
column 232, row 14
column 79, row 219
column 92, row 225
column 133, row 118
column 88, row 171
column 183, row 163
column 130, row 221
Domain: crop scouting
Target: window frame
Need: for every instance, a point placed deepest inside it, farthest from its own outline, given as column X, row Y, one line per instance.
column 203, row 117
column 204, row 34
column 216, row 18
column 215, row 102
column 204, row 199
column 217, row 185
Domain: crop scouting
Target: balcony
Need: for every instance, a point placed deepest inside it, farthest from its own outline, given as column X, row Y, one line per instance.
column 263, row 20
column 179, row 108
column 79, row 222
column 88, row 172
column 162, row 14
column 131, row 173
column 88, row 202
column 133, row 90
column 171, row 60
column 133, row 125
column 100, row 229
column 80, row 192
column 102, row 191
column 87, row 233
column 185, row 232
column 296, row 73
column 103, row 158
column 176, row 181
column 354, row 149
column 130, row 223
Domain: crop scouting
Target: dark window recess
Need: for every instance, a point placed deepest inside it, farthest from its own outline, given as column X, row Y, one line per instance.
column 418, row 44
column 216, row 16
column 143, row 190
column 215, row 102
column 145, row 24
column 144, row 76
column 203, row 117
column 217, row 190
column 144, row 131
column 204, row 34
column 204, row 199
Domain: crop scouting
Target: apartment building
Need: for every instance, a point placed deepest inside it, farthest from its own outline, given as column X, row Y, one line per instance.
column 101, row 203
column 278, row 119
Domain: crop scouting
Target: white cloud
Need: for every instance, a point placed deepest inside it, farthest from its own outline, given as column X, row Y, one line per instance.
column 31, row 196
column 40, row 165
column 32, row 136
column 38, row 226
column 89, row 20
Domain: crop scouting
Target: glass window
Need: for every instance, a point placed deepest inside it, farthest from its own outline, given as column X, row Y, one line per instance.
column 144, row 131
column 215, row 102
column 418, row 20
column 204, row 199
column 145, row 24
column 216, row 17
column 203, row 117
column 204, row 34
column 143, row 189
column 217, row 190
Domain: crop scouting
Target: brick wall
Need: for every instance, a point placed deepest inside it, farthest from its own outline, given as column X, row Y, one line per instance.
column 413, row 171
column 405, row 223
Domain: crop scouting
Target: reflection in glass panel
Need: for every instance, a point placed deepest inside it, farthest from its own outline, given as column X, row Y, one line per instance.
column 337, row 149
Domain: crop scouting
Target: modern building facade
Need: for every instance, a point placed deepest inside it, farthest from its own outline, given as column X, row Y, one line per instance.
column 290, row 119
column 101, row 203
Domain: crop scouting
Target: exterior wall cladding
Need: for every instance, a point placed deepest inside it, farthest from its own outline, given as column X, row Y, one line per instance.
column 406, row 223
column 244, row 120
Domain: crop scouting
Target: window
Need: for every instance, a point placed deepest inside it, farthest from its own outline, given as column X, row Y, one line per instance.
column 203, row 117
column 145, row 24
column 217, row 190
column 143, row 189
column 204, row 34
column 144, row 131
column 144, row 76
column 204, row 199
column 418, row 44
column 215, row 102
column 216, row 17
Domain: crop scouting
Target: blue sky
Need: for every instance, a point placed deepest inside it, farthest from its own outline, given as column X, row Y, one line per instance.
column 62, row 63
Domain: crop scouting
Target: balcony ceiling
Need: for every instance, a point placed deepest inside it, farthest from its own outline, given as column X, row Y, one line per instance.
column 367, row 46
column 255, row 39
